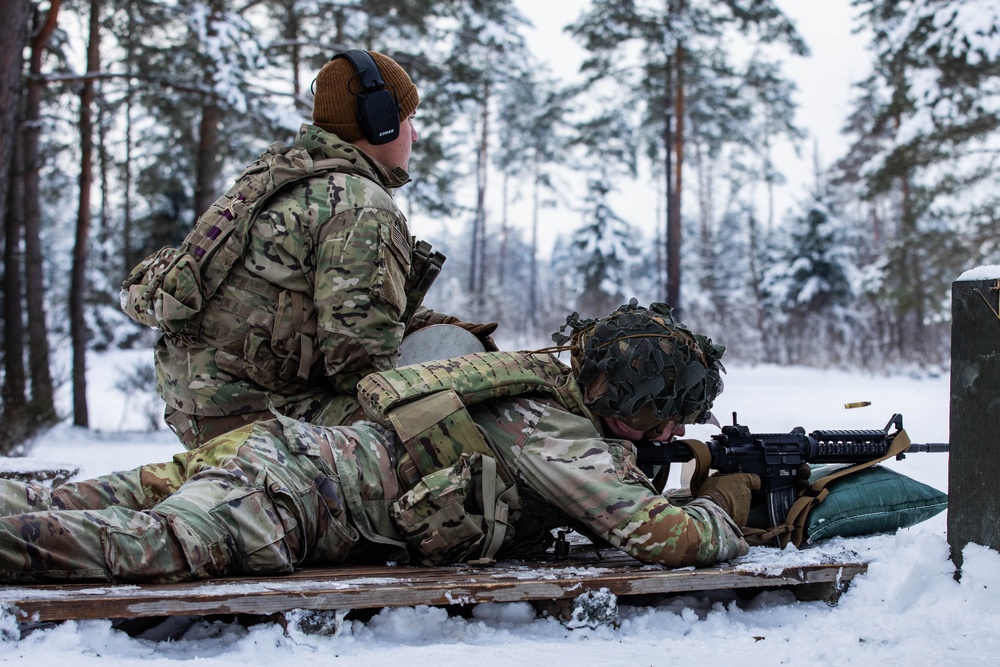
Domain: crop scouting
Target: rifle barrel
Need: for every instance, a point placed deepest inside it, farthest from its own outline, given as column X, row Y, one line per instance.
column 931, row 447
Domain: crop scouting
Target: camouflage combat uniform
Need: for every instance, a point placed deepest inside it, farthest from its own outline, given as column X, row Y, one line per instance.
column 317, row 301
column 282, row 493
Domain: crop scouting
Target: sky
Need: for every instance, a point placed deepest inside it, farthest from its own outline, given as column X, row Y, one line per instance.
column 824, row 79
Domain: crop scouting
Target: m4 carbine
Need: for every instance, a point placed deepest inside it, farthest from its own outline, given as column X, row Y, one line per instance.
column 777, row 457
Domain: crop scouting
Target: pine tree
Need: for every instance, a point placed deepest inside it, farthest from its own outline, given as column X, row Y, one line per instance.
column 486, row 53
column 603, row 249
column 926, row 140
column 810, row 287
column 677, row 40
column 534, row 127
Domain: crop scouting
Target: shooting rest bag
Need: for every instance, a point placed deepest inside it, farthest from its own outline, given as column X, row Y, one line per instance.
column 874, row 500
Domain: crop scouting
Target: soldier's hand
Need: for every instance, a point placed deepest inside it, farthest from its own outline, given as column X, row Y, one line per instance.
column 802, row 475
column 731, row 493
column 482, row 332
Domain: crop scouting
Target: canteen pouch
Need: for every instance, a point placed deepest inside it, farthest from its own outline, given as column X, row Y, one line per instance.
column 435, row 517
column 164, row 291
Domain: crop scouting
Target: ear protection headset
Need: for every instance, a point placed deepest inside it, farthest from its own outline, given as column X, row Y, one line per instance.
column 378, row 112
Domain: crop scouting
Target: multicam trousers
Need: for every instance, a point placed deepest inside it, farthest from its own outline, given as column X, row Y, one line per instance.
column 254, row 501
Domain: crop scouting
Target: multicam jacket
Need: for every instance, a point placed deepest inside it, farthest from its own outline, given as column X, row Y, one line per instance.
column 316, row 302
column 569, row 474
column 554, row 466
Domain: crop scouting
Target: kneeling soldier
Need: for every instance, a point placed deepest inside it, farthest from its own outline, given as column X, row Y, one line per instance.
column 467, row 459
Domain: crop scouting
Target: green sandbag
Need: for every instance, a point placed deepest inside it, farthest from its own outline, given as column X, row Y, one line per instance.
column 873, row 500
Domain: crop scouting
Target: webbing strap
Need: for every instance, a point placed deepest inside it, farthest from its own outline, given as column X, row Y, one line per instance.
column 762, row 537
column 495, row 512
column 702, row 463
column 305, row 356
column 660, row 479
column 297, row 309
column 817, row 491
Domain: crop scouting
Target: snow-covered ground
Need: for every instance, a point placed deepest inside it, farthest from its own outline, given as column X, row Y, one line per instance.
column 907, row 610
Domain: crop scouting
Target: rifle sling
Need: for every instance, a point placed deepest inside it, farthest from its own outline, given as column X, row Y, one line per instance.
column 702, row 463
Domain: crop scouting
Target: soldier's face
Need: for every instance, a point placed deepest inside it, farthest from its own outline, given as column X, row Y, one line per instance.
column 396, row 153
column 622, row 430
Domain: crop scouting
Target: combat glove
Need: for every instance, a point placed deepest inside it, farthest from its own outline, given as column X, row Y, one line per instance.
column 802, row 475
column 482, row 332
column 731, row 493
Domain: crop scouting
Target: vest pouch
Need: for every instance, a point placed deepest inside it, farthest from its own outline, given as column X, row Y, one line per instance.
column 438, row 516
column 164, row 291
column 293, row 336
column 259, row 361
column 274, row 356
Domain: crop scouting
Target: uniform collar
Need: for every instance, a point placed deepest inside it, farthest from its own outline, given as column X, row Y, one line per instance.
column 325, row 145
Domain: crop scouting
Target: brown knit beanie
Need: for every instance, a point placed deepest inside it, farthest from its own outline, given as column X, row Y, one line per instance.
column 334, row 106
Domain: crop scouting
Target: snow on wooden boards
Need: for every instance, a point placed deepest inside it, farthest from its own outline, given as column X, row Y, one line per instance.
column 368, row 587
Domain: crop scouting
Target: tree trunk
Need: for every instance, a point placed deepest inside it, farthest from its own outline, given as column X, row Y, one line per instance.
column 292, row 30
column 668, row 170
column 13, row 35
column 128, row 258
column 674, row 233
column 42, row 399
column 504, row 232
column 208, row 163
column 78, row 285
column 477, row 269
column 13, row 319
column 535, row 206
column 208, row 158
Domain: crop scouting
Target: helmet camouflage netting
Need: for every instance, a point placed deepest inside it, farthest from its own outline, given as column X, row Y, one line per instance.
column 640, row 366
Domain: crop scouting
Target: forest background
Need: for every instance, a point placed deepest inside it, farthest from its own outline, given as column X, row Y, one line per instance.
column 122, row 120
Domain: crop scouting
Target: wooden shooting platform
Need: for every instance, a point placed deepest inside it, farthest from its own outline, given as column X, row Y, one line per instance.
column 373, row 587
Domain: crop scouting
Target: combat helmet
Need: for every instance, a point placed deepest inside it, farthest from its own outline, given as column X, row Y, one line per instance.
column 642, row 367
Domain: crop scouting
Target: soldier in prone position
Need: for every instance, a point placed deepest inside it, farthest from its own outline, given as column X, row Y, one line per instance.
column 303, row 277
column 468, row 459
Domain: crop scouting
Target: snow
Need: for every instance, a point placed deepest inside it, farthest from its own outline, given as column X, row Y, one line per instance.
column 989, row 272
column 907, row 610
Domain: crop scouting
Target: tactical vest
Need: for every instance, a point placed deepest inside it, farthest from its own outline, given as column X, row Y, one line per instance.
column 446, row 452
column 272, row 346
column 168, row 289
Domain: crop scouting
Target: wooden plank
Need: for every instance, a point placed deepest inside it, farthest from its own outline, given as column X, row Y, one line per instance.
column 366, row 587
column 974, row 460
column 29, row 469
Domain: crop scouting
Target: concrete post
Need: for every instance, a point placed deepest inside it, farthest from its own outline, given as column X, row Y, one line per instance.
column 974, row 459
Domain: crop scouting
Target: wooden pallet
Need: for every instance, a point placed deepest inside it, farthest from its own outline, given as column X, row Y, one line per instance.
column 29, row 469
column 373, row 587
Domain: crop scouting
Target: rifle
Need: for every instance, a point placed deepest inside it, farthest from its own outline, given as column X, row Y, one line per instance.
column 777, row 457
